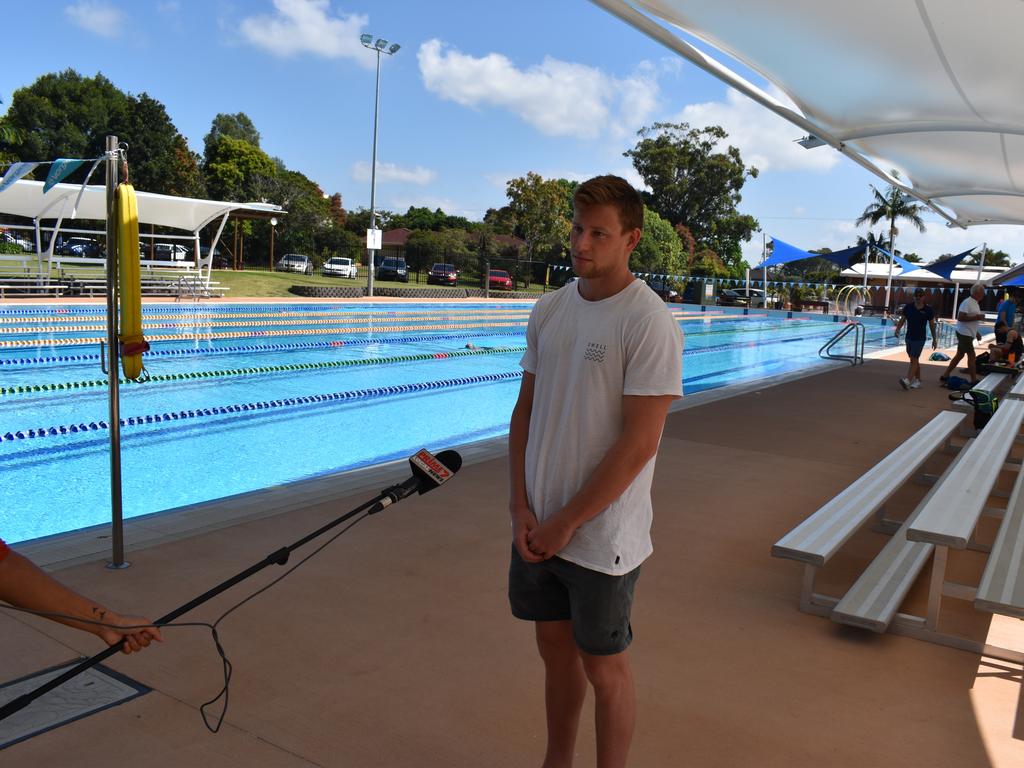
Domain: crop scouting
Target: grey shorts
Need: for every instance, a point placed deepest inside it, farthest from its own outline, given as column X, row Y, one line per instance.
column 598, row 605
column 964, row 343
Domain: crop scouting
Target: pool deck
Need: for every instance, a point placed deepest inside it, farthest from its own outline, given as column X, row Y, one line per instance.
column 394, row 646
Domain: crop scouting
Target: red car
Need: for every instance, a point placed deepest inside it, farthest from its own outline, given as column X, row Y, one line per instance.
column 499, row 279
column 443, row 274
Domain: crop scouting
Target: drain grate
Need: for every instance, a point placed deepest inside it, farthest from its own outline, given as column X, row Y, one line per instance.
column 92, row 691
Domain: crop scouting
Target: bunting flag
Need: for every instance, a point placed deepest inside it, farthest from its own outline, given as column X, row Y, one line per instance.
column 15, row 172
column 60, row 170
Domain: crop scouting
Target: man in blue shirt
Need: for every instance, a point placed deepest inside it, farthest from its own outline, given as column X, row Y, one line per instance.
column 917, row 315
column 1007, row 310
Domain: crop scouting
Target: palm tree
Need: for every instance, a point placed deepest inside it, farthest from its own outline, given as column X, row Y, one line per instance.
column 894, row 204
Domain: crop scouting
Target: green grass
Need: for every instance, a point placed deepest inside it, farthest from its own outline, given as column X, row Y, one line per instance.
column 276, row 284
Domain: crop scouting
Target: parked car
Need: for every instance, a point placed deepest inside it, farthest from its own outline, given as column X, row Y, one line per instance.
column 79, row 246
column 169, row 252
column 393, row 268
column 339, row 266
column 14, row 239
column 294, row 262
column 665, row 291
column 740, row 297
column 500, row 279
column 443, row 274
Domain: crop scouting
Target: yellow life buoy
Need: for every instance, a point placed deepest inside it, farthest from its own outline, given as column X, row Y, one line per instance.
column 132, row 342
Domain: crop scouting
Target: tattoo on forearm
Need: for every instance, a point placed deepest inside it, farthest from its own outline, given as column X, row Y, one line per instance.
column 99, row 612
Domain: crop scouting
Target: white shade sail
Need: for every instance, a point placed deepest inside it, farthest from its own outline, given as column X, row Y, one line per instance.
column 931, row 88
column 26, row 198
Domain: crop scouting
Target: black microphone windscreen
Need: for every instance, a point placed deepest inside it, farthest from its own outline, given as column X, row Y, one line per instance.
column 431, row 471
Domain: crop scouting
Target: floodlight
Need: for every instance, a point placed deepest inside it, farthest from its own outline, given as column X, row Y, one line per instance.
column 366, row 39
column 381, row 44
column 811, row 141
column 394, row 47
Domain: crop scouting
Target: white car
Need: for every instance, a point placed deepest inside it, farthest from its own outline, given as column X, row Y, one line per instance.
column 339, row 266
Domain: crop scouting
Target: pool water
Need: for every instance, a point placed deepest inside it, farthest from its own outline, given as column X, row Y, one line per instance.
column 250, row 396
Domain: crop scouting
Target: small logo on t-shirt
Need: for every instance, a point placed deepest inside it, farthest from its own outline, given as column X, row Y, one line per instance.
column 595, row 352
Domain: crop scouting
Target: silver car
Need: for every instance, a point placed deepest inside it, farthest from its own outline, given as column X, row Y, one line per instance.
column 295, row 262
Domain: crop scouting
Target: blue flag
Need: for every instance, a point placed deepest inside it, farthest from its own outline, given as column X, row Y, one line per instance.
column 15, row 172
column 60, row 170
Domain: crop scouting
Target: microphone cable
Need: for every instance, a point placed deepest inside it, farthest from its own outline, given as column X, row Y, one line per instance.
column 227, row 668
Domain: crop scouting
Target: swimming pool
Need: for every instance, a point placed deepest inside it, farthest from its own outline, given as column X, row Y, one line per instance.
column 248, row 396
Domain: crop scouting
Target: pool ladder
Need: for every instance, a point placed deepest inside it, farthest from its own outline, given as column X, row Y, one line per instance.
column 857, row 358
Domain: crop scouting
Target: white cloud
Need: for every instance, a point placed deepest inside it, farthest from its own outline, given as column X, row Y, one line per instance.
column 764, row 139
column 391, row 172
column 97, row 17
column 558, row 98
column 305, row 26
column 168, row 6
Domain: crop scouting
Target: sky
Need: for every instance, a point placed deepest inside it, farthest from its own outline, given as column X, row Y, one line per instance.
column 477, row 94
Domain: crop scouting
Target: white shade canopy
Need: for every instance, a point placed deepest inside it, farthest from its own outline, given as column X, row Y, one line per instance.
column 26, row 198
column 931, row 88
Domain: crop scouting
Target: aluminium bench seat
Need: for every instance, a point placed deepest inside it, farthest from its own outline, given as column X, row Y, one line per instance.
column 874, row 599
column 1002, row 584
column 816, row 539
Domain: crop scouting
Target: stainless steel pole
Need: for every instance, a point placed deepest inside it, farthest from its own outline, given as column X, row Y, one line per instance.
column 116, row 522
column 373, row 184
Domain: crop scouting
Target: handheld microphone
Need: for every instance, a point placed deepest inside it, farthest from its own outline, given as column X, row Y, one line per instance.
column 428, row 472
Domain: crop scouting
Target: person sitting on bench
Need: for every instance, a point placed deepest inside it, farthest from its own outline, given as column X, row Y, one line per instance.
column 1010, row 350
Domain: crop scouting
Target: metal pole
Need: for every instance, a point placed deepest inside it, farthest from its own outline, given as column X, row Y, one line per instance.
column 981, row 260
column 892, row 259
column 373, row 183
column 116, row 522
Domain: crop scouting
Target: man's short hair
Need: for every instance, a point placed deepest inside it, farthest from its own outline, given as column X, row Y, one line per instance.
column 919, row 291
column 977, row 287
column 616, row 192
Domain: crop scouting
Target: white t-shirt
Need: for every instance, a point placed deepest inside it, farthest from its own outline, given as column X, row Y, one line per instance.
column 586, row 355
column 970, row 306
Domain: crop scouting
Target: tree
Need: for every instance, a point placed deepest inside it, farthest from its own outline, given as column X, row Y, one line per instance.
column 694, row 183
column 67, row 115
column 237, row 126
column 992, row 259
column 894, row 204
column 539, row 210
column 501, row 220
column 660, row 250
column 237, row 170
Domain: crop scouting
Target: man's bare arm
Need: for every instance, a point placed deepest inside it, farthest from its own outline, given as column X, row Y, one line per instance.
column 643, row 419
column 523, row 518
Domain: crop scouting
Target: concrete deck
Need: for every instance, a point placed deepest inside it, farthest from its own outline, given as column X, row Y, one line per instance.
column 394, row 646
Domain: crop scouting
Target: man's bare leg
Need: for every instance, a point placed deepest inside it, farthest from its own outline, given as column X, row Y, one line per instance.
column 565, row 686
column 615, row 706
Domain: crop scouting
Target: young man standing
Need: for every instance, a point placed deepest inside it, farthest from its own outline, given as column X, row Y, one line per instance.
column 918, row 316
column 968, row 318
column 603, row 364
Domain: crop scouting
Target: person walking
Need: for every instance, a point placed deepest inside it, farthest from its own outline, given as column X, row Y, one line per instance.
column 968, row 318
column 918, row 317
column 1006, row 310
column 602, row 366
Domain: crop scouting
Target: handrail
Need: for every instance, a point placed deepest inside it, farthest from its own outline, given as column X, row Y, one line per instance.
column 857, row 358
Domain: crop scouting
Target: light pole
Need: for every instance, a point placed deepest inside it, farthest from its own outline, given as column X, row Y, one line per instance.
column 273, row 227
column 372, row 244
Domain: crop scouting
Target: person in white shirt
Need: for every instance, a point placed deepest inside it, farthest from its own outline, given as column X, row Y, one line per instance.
column 603, row 364
column 968, row 318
